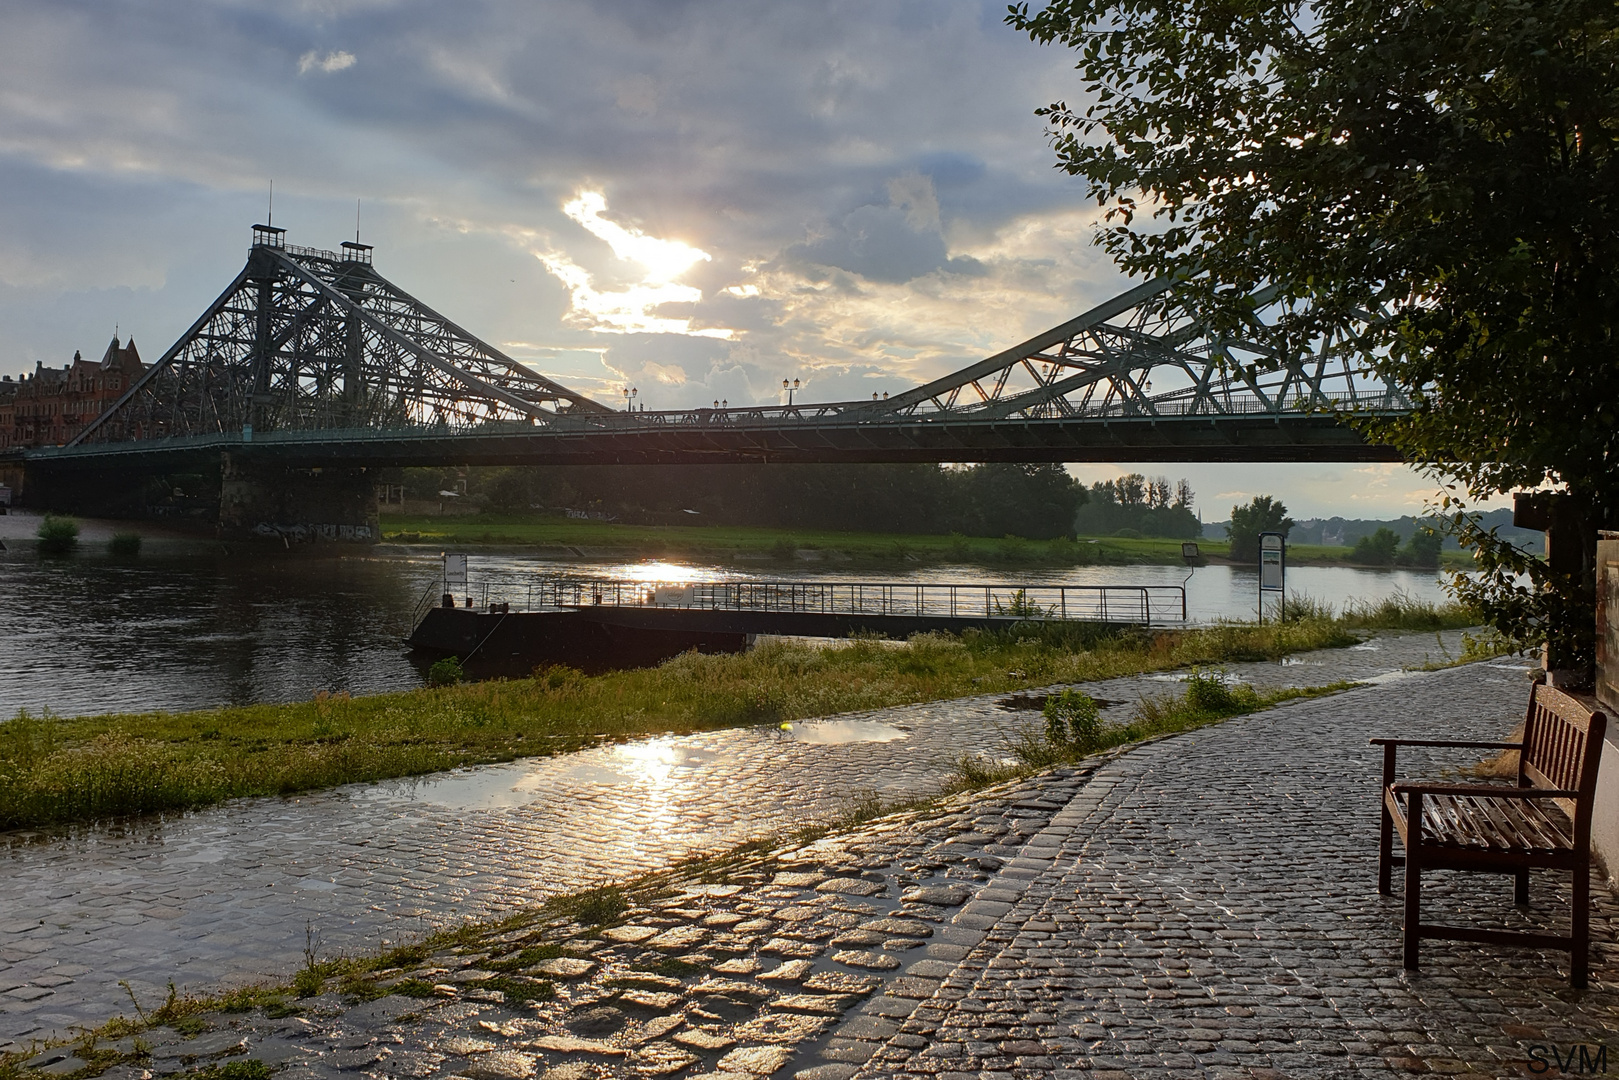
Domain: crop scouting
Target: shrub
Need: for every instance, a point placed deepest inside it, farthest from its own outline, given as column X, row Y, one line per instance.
column 1073, row 720
column 58, row 535
column 1208, row 694
column 557, row 676
column 445, row 672
column 125, row 545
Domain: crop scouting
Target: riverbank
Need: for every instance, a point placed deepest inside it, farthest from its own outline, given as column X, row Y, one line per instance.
column 576, row 538
column 56, row 770
column 250, row 893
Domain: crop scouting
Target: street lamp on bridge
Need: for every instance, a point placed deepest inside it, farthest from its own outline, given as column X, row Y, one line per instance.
column 791, row 389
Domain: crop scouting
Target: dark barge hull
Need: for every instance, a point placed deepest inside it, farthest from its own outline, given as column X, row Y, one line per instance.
column 610, row 637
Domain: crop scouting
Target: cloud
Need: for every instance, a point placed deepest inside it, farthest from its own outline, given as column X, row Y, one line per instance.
column 332, row 61
column 895, row 242
column 667, row 374
column 629, row 310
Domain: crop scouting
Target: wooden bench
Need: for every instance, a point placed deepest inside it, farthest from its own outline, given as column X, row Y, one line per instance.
column 1544, row 822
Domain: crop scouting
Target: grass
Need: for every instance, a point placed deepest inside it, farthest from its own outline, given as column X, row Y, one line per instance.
column 718, row 542
column 57, row 770
column 1208, row 698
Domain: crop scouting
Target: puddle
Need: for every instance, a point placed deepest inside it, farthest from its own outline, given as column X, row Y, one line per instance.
column 652, row 762
column 838, row 732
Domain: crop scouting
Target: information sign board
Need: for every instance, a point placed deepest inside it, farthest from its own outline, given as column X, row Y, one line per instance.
column 1272, row 568
column 1270, row 562
column 455, row 572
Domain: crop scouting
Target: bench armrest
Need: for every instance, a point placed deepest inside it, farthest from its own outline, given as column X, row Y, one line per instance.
column 1494, row 791
column 1448, row 743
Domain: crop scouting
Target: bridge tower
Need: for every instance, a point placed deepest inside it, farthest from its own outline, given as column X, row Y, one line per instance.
column 307, row 349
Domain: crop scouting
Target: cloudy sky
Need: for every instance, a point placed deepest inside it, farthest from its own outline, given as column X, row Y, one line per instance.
column 698, row 198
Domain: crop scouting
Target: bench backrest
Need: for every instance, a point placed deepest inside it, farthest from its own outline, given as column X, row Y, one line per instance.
column 1562, row 746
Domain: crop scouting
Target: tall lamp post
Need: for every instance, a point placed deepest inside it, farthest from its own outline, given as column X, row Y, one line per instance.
column 629, row 398
column 790, row 388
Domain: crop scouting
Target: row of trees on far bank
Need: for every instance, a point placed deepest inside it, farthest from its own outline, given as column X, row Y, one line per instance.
column 1034, row 501
column 1136, row 505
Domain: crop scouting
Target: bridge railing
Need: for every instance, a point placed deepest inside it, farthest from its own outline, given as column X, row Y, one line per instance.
column 1143, row 604
column 824, row 415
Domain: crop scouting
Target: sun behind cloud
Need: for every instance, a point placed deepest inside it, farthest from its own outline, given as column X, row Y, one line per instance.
column 631, row 310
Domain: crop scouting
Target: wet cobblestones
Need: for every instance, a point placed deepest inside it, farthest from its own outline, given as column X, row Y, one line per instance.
column 1209, row 910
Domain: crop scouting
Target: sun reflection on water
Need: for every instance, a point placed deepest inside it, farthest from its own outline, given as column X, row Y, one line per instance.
column 674, row 573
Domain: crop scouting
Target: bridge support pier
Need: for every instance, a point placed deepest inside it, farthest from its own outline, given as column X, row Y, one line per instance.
column 264, row 501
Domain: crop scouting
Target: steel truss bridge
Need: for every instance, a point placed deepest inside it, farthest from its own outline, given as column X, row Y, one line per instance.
column 312, row 358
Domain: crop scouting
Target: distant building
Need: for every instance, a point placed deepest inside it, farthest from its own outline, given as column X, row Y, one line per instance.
column 51, row 406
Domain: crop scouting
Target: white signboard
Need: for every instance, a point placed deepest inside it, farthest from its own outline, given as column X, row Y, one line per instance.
column 673, row 595
column 1270, row 569
column 455, row 572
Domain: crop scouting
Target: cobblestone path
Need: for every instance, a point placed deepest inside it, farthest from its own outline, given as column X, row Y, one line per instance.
column 225, row 895
column 1208, row 909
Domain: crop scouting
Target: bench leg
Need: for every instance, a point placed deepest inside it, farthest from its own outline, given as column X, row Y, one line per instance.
column 1580, row 951
column 1385, row 856
column 1413, row 910
column 1413, row 880
column 1385, row 830
column 1520, row 887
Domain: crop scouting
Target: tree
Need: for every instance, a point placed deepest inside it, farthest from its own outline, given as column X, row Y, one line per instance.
column 1448, row 166
column 1422, row 550
column 1377, row 549
column 1264, row 514
column 1033, row 501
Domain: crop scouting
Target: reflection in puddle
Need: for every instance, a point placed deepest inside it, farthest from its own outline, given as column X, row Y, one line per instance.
column 654, row 763
column 838, row 732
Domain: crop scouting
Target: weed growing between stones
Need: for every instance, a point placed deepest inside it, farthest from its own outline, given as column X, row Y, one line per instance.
column 593, row 907
column 83, row 768
column 1073, row 720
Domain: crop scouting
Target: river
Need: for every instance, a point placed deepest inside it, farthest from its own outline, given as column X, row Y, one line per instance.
column 197, row 627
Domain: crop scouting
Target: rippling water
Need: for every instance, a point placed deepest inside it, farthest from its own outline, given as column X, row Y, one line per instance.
column 180, row 631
